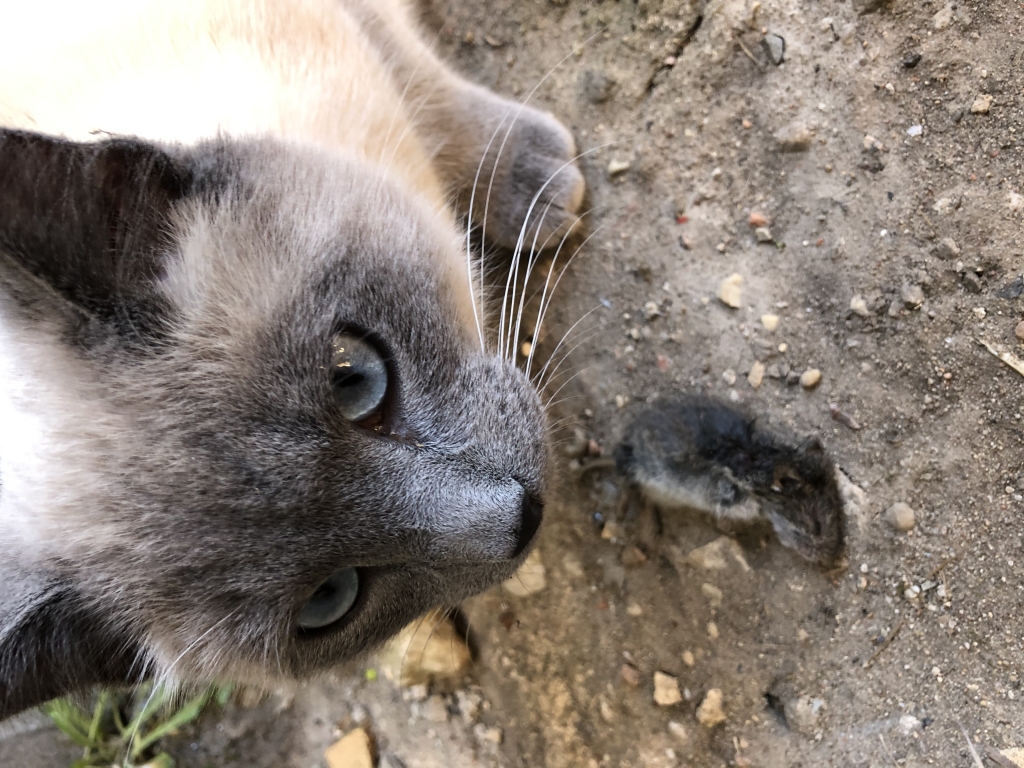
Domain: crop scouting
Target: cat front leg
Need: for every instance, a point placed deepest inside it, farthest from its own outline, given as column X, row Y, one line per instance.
column 510, row 166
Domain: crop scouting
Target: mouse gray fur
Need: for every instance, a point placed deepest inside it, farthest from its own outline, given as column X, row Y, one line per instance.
column 695, row 452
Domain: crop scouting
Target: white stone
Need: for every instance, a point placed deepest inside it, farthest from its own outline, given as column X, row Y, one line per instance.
column 530, row 579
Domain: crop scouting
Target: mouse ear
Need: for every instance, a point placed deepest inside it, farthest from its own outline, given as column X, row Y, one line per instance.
column 87, row 219
column 51, row 645
column 812, row 447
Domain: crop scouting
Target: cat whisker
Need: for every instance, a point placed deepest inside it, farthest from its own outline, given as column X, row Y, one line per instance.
column 508, row 133
column 567, row 399
column 542, row 309
column 551, row 400
column 566, row 356
column 533, row 203
column 531, row 262
column 469, row 233
column 539, row 381
column 165, row 675
column 405, row 654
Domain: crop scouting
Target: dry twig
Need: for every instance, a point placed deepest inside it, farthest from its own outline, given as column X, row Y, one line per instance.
column 885, row 644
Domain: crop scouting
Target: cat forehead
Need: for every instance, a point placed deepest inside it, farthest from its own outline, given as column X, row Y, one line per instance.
column 278, row 226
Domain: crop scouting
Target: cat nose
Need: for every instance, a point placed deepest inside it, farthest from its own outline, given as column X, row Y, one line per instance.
column 530, row 517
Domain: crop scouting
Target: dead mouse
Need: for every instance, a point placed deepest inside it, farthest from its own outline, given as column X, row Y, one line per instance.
column 695, row 452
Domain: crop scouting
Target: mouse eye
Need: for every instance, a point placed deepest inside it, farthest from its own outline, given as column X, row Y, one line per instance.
column 359, row 377
column 332, row 600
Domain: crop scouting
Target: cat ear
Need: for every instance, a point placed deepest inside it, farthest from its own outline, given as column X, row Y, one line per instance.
column 51, row 645
column 89, row 220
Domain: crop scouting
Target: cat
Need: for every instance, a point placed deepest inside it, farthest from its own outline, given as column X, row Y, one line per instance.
column 251, row 423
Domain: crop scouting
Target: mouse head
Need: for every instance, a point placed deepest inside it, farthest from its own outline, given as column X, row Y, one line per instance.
column 804, row 503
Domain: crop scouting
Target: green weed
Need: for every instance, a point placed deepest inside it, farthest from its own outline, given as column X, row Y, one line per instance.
column 123, row 729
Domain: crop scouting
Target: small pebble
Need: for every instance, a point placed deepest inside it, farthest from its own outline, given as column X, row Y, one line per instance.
column 577, row 446
column 859, row 307
column 531, row 577
column 900, row 516
column 620, row 401
column 911, row 60
column 915, row 130
column 838, row 414
column 630, row 675
column 980, row 313
column 872, row 145
column 757, row 219
column 617, row 167
column 810, row 378
column 435, row 710
column 756, row 375
column 794, row 138
column 353, row 750
column 426, row 650
column 770, row 322
column 494, row 735
column 712, row 630
column 776, row 47
column 666, row 690
column 943, row 18
column 678, row 730
column 718, row 555
column 711, row 712
column 802, row 714
column 1018, row 330
column 947, row 249
column 729, row 376
column 607, row 713
column 632, row 556
column 712, row 593
column 417, row 692
column 774, row 371
column 634, row 610
column 908, row 724
column 688, row 659
column 613, row 531
column 730, row 291
column 912, row 295
column 651, row 310
column 764, row 235
column 982, row 104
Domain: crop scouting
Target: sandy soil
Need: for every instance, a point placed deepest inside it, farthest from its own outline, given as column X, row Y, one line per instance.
column 921, row 635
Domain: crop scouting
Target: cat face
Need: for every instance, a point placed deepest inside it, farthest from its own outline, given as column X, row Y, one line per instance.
column 254, row 431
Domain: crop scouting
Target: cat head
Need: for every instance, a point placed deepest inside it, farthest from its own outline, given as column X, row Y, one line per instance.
column 249, row 427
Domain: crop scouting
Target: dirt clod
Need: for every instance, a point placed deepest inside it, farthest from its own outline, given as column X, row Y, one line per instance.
column 901, row 516
column 711, row 711
column 666, row 690
column 353, row 750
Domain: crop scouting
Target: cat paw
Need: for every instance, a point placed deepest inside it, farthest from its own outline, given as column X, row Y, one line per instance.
column 537, row 188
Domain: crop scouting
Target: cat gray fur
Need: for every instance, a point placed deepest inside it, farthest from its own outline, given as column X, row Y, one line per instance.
column 166, row 314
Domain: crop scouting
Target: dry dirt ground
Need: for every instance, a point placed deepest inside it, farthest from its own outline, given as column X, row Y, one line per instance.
column 919, row 640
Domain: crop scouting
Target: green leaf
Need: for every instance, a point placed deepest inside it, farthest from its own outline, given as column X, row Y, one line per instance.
column 224, row 693
column 183, row 716
column 70, row 720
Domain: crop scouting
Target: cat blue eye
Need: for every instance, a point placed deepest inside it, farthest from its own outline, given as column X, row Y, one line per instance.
column 359, row 377
column 332, row 600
